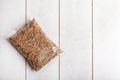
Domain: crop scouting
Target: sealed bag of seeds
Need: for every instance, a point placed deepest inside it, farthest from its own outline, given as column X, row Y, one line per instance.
column 34, row 45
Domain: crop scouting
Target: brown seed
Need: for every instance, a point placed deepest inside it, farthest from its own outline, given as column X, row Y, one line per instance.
column 34, row 45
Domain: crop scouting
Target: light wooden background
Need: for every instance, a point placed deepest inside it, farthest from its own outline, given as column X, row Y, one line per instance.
column 87, row 31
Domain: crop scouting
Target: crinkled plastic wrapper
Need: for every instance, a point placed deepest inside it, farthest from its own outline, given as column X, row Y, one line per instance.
column 34, row 45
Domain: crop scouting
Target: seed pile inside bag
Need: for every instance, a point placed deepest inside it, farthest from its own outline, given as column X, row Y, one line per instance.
column 34, row 45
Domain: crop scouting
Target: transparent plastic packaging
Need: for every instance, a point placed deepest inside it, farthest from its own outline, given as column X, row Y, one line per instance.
column 34, row 45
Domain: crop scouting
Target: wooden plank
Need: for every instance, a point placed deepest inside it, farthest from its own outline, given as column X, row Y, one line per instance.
column 106, row 40
column 46, row 14
column 76, row 39
column 12, row 64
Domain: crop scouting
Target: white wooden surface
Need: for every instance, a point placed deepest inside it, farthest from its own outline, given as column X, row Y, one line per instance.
column 106, row 40
column 11, row 19
column 75, row 38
